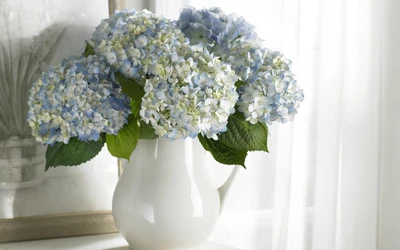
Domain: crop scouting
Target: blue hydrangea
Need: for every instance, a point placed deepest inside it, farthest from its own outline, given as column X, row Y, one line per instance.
column 207, row 26
column 270, row 91
column 188, row 90
column 274, row 95
column 77, row 98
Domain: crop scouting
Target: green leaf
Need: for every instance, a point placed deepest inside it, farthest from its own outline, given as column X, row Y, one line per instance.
column 135, row 108
column 242, row 135
column 123, row 144
column 74, row 153
column 130, row 87
column 239, row 84
column 223, row 153
column 89, row 50
column 147, row 131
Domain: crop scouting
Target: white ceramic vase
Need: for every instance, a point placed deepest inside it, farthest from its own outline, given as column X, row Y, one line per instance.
column 164, row 199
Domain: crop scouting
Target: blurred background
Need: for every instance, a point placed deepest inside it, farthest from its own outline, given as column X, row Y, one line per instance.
column 35, row 34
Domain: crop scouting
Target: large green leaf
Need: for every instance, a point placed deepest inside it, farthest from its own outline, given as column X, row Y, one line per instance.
column 74, row 153
column 130, row 87
column 123, row 144
column 146, row 131
column 242, row 135
column 223, row 153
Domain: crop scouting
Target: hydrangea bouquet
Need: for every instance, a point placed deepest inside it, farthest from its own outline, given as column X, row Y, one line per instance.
column 204, row 75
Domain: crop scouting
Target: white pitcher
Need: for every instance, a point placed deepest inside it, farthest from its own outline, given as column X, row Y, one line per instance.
column 164, row 199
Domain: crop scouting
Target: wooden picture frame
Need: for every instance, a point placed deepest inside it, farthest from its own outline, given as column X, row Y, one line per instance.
column 56, row 226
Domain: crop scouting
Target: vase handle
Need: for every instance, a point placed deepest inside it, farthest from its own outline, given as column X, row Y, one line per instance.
column 223, row 190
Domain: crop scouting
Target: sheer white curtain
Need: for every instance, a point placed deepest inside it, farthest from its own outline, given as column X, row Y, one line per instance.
column 330, row 181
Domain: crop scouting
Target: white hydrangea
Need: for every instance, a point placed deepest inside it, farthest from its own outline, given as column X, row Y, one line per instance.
column 196, row 95
column 137, row 43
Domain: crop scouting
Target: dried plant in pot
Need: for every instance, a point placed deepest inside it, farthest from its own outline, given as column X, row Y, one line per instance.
column 22, row 59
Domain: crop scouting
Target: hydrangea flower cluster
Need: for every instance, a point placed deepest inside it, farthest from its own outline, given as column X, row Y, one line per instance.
column 270, row 91
column 137, row 43
column 187, row 90
column 189, row 76
column 274, row 95
column 77, row 98
column 208, row 26
column 197, row 97
column 188, row 70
